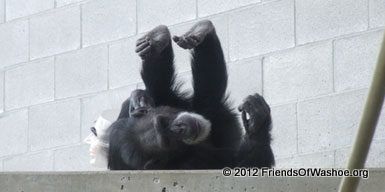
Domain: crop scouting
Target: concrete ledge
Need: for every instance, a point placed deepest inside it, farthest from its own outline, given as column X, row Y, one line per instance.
column 162, row 181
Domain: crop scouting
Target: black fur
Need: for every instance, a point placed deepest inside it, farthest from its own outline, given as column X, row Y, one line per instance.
column 130, row 143
column 135, row 143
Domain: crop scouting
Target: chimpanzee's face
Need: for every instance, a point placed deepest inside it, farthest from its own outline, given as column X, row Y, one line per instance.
column 154, row 131
column 163, row 129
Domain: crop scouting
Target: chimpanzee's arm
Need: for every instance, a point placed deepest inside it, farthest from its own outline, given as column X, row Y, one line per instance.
column 119, row 148
column 255, row 151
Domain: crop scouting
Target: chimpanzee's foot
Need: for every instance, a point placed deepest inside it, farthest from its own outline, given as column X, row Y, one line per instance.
column 195, row 35
column 255, row 114
column 140, row 103
column 154, row 42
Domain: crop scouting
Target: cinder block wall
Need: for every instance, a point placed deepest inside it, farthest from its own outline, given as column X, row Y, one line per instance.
column 62, row 62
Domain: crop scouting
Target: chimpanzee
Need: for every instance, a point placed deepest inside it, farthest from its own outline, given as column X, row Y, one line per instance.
column 162, row 128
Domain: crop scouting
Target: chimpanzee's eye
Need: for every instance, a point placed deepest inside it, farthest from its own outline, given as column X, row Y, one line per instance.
column 93, row 130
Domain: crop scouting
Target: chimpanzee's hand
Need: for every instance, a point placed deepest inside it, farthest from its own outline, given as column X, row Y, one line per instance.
column 255, row 115
column 140, row 103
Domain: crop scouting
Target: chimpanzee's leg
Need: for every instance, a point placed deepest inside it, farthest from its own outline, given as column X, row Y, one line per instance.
column 208, row 64
column 210, row 82
column 158, row 68
column 255, row 151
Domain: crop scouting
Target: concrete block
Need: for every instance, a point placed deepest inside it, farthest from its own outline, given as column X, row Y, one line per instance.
column 93, row 106
column 41, row 161
column 187, row 82
column 183, row 57
column 81, row 72
column 376, row 152
column 355, row 59
column 22, row 8
column 105, row 20
column 298, row 73
column 1, row 92
column 2, row 11
column 140, row 86
column 54, row 124
column 209, row 7
column 245, row 78
column 317, row 20
column 284, row 131
column 74, row 158
column 315, row 160
column 375, row 158
column 124, row 64
column 55, row 32
column 380, row 129
column 168, row 12
column 261, row 29
column 60, row 3
column 329, row 122
column 14, row 126
column 341, row 156
column 376, row 13
column 14, row 42
column 29, row 84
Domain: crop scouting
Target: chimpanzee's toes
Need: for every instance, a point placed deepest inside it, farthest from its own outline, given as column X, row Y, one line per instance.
column 196, row 35
column 154, row 42
column 181, row 42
